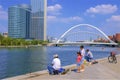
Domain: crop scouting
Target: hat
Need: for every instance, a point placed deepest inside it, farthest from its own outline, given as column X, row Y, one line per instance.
column 56, row 55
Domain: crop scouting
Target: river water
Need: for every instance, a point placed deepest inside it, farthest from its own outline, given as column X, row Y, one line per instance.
column 17, row 61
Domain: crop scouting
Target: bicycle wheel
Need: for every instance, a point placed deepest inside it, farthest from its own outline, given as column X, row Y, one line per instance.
column 115, row 60
column 110, row 59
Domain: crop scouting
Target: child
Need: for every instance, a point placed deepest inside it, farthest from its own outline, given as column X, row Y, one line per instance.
column 79, row 57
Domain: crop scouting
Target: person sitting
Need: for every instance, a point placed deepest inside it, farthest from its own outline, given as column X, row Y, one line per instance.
column 55, row 69
column 89, row 55
column 113, row 54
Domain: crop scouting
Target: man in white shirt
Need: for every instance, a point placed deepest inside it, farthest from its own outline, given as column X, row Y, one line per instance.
column 83, row 58
column 56, row 62
column 56, row 65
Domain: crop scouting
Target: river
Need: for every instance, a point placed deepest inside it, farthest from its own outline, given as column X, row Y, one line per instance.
column 17, row 61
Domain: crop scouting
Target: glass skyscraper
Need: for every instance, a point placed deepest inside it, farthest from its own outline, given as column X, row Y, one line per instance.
column 38, row 19
column 19, row 21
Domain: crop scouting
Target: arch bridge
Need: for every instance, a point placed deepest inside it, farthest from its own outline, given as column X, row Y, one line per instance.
column 84, row 34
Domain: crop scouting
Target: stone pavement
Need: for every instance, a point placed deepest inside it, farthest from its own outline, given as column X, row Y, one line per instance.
column 101, row 71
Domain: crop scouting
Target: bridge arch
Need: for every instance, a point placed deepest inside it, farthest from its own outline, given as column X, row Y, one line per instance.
column 91, row 26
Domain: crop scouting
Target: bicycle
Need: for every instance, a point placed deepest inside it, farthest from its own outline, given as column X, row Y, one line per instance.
column 112, row 58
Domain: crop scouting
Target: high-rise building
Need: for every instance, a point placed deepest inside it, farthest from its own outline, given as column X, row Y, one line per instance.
column 19, row 21
column 118, row 37
column 38, row 19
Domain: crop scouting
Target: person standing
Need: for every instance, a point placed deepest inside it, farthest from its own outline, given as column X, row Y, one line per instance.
column 79, row 57
column 83, row 58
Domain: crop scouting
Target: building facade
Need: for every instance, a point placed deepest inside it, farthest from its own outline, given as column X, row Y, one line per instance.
column 19, row 21
column 38, row 19
column 118, row 37
column 5, row 34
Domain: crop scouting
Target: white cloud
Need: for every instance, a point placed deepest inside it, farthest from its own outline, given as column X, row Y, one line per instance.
column 54, row 10
column 112, row 25
column 3, row 14
column 51, row 18
column 64, row 20
column 53, row 15
column 71, row 19
column 103, row 9
column 115, row 18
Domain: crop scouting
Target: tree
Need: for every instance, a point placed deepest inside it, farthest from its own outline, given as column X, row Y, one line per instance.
column 1, row 37
column 44, row 42
column 19, row 42
column 119, row 43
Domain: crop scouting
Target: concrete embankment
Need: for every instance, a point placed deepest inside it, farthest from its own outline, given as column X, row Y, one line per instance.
column 38, row 73
column 101, row 71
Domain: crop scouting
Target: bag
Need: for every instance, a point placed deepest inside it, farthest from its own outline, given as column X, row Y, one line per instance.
column 95, row 62
column 61, row 70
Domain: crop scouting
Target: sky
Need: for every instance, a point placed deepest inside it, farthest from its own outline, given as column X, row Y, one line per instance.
column 64, row 14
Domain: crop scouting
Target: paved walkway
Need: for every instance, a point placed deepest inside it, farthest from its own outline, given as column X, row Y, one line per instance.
column 101, row 71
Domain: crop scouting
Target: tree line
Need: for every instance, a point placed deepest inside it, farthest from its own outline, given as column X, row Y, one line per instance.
column 7, row 41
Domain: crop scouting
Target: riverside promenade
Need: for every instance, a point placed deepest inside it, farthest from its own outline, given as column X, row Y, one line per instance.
column 101, row 71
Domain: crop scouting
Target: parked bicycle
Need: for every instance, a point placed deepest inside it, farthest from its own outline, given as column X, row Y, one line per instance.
column 112, row 58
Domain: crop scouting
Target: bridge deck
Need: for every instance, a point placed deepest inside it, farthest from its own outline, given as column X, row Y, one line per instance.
column 85, row 43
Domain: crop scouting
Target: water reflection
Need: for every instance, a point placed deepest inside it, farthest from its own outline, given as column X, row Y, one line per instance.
column 37, row 59
column 17, row 61
column 3, row 63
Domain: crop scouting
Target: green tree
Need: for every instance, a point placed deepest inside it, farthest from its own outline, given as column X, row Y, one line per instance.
column 34, row 42
column 8, row 41
column 5, row 41
column 119, row 43
column 1, row 37
column 19, row 42
column 44, row 42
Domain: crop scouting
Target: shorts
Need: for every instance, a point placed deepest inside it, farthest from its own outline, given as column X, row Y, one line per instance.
column 78, row 64
column 82, row 60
